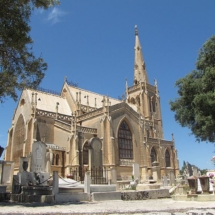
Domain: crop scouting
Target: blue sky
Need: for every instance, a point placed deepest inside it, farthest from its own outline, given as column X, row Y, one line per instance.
column 92, row 44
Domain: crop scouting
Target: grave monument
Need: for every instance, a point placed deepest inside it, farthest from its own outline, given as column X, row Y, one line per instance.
column 33, row 181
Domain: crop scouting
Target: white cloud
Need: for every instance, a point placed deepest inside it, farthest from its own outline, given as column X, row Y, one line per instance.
column 55, row 15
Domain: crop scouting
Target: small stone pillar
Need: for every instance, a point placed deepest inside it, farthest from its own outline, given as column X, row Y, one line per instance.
column 156, row 171
column 144, row 174
column 136, row 171
column 55, row 185
column 87, row 181
column 199, row 187
column 113, row 175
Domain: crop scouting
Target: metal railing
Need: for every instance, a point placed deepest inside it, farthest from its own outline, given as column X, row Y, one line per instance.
column 98, row 175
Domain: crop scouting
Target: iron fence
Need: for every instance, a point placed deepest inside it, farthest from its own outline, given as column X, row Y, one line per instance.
column 98, row 175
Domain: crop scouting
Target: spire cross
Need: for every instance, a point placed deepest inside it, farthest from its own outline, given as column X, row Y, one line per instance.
column 136, row 30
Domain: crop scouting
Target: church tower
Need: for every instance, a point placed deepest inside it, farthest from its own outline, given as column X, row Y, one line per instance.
column 145, row 96
column 140, row 74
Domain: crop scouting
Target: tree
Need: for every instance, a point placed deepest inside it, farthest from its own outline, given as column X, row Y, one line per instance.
column 183, row 168
column 19, row 67
column 195, row 107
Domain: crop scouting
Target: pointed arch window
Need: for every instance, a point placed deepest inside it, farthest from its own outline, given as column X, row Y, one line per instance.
column 53, row 159
column 153, row 155
column 132, row 100
column 57, row 159
column 125, row 141
column 138, row 100
column 152, row 104
column 86, row 154
column 167, row 158
column 19, row 139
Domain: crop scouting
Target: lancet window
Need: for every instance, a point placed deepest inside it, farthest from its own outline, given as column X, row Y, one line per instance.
column 152, row 103
column 53, row 159
column 86, row 154
column 153, row 155
column 125, row 141
column 167, row 158
column 19, row 138
column 57, row 159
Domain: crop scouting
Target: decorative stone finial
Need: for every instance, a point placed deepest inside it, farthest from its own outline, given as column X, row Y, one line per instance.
column 173, row 139
column 136, row 30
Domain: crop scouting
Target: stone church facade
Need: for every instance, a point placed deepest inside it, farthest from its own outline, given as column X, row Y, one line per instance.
column 86, row 129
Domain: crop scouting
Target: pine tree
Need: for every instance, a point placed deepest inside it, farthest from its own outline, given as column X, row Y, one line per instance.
column 195, row 107
column 19, row 67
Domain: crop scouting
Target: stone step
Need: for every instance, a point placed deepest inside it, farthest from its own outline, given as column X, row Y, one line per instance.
column 106, row 196
column 71, row 190
column 32, row 198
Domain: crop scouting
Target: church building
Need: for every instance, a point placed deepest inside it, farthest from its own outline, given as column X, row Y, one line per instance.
column 83, row 129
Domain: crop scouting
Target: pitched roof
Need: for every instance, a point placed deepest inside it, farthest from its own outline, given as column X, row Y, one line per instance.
column 47, row 102
column 92, row 97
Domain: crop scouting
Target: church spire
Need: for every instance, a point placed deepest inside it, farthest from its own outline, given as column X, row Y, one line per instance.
column 139, row 64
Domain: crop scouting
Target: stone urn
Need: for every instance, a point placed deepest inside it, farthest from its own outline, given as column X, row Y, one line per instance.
column 192, row 181
column 204, row 181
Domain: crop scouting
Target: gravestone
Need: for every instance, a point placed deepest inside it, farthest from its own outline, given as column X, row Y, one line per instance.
column 25, row 177
column 38, row 157
column 156, row 172
column 189, row 169
column 195, row 171
column 172, row 178
column 136, row 171
column 6, row 172
column 165, row 183
column 95, row 145
column 39, row 162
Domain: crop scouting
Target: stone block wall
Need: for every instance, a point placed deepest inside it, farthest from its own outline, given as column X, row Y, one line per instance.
column 143, row 195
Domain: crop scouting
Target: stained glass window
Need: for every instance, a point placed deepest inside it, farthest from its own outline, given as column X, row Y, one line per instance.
column 125, row 142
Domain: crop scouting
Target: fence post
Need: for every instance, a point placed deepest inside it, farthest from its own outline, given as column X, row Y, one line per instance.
column 55, row 185
column 87, row 181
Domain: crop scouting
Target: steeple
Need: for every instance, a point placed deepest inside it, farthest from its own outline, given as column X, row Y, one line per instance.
column 139, row 64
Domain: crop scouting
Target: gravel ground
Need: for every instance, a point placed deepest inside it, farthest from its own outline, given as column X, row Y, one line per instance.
column 155, row 207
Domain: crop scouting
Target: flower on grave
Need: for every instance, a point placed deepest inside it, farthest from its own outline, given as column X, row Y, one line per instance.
column 211, row 175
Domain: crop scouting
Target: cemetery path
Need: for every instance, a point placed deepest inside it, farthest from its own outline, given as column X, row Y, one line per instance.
column 155, row 207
